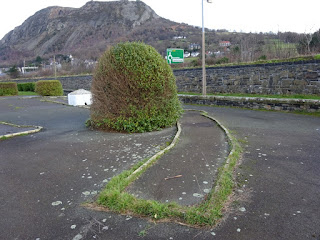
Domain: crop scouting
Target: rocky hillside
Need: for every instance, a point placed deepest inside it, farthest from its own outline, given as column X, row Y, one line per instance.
column 85, row 31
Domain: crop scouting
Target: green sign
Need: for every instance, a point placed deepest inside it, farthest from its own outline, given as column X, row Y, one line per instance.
column 175, row 55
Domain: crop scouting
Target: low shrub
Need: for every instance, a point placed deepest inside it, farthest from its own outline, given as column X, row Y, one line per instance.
column 222, row 60
column 26, row 87
column 8, row 88
column 263, row 57
column 49, row 88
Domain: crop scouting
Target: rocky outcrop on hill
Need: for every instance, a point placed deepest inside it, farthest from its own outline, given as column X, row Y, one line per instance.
column 81, row 31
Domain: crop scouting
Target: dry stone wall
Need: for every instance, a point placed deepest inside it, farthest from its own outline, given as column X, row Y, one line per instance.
column 281, row 78
column 306, row 105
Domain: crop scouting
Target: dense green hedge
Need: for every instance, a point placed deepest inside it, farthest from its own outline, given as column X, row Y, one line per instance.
column 49, row 88
column 27, row 87
column 134, row 90
column 8, row 88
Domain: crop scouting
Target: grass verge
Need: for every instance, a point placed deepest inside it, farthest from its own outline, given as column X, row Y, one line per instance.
column 293, row 96
column 206, row 214
column 260, row 62
column 20, row 93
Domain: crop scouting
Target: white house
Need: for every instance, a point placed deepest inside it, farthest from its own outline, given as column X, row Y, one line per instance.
column 224, row 44
column 195, row 54
column 186, row 54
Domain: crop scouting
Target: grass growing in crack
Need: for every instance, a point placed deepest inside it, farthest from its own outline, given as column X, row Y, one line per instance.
column 205, row 214
column 25, row 93
column 165, row 145
column 142, row 233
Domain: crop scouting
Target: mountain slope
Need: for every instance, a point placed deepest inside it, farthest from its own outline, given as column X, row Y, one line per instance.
column 82, row 31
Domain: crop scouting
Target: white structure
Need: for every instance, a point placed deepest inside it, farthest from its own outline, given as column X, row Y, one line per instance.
column 195, row 54
column 186, row 54
column 23, row 69
column 79, row 98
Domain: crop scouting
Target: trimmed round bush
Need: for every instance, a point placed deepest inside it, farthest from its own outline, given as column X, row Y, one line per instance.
column 133, row 90
column 27, row 87
column 8, row 88
column 49, row 88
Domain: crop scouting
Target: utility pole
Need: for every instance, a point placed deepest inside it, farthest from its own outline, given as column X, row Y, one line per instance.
column 24, row 66
column 204, row 79
column 55, row 67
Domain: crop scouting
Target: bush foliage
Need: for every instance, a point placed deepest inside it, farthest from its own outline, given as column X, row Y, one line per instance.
column 133, row 90
column 49, row 88
column 26, row 87
column 8, row 88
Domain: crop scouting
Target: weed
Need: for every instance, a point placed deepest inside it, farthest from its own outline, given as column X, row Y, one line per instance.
column 142, row 233
column 243, row 141
column 3, row 138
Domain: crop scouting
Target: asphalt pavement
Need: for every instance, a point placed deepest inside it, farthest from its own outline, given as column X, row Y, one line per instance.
column 45, row 177
column 174, row 178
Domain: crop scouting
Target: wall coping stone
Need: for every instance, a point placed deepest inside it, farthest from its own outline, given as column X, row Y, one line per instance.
column 287, row 105
column 254, row 99
column 250, row 65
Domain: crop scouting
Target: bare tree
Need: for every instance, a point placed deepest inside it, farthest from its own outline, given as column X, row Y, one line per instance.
column 308, row 39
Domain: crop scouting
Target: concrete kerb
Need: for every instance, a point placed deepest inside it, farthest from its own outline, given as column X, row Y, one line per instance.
column 52, row 101
column 231, row 139
column 159, row 154
column 256, row 99
column 38, row 129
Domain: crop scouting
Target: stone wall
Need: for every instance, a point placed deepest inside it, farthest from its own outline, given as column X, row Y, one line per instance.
column 281, row 78
column 255, row 103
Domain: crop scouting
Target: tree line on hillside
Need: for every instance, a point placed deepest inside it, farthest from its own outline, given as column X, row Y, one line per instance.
column 244, row 47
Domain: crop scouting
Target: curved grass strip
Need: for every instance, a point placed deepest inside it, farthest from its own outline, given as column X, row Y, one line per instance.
column 206, row 214
column 37, row 129
column 62, row 103
column 48, row 99
column 151, row 160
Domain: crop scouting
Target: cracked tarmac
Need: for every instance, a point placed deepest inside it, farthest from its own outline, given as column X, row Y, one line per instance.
column 46, row 176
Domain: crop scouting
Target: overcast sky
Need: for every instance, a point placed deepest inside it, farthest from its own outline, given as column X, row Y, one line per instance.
column 238, row 15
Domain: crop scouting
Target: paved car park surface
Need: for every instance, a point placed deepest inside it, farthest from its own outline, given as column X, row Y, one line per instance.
column 45, row 177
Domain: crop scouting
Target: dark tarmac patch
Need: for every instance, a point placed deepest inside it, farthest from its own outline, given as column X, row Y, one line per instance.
column 187, row 172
